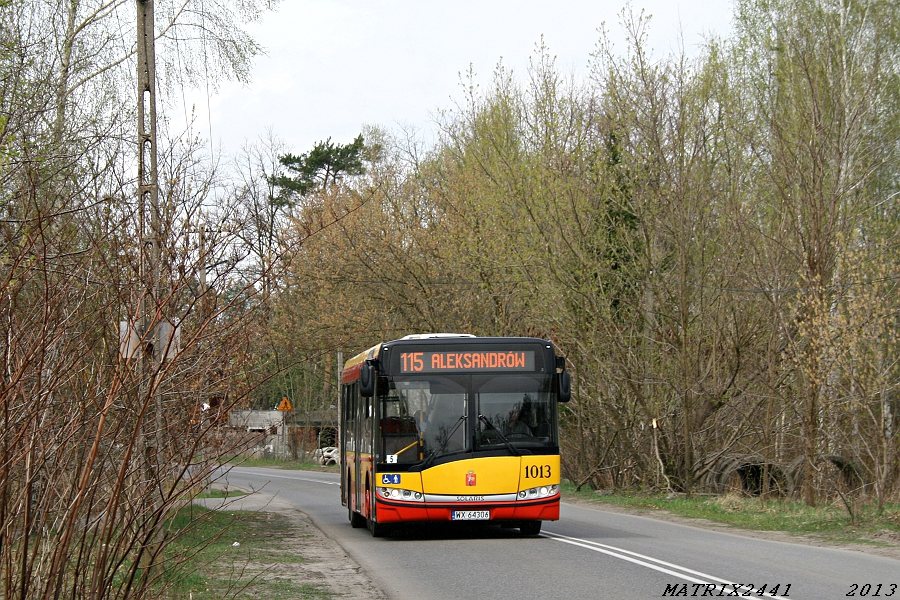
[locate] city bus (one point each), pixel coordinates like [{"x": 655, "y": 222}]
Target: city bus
[{"x": 452, "y": 427}]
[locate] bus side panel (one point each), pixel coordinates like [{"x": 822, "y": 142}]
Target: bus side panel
[
  {"x": 351, "y": 474},
  {"x": 367, "y": 485},
  {"x": 357, "y": 442},
  {"x": 344, "y": 455},
  {"x": 349, "y": 468}
]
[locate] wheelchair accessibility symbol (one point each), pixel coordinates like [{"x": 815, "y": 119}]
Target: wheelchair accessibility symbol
[{"x": 392, "y": 479}]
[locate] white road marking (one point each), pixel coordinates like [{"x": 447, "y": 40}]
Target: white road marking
[
  {"x": 305, "y": 479},
  {"x": 647, "y": 561},
  {"x": 643, "y": 560}
]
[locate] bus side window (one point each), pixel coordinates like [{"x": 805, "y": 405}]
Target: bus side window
[
  {"x": 350, "y": 416},
  {"x": 399, "y": 435},
  {"x": 367, "y": 411}
]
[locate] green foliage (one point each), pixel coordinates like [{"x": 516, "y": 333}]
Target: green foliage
[
  {"x": 296, "y": 465},
  {"x": 710, "y": 241},
  {"x": 323, "y": 166},
  {"x": 219, "y": 494}
]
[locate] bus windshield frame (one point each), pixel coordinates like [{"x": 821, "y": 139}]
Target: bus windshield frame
[{"x": 437, "y": 405}]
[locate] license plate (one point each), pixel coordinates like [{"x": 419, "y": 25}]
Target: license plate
[{"x": 471, "y": 515}]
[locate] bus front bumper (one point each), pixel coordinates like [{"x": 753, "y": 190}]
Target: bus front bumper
[{"x": 545, "y": 509}]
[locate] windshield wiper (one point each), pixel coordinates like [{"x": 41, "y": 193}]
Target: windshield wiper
[
  {"x": 428, "y": 460},
  {"x": 509, "y": 445},
  {"x": 434, "y": 453}
]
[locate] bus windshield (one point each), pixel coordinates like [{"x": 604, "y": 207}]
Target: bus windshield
[
  {"x": 428, "y": 417},
  {"x": 517, "y": 408}
]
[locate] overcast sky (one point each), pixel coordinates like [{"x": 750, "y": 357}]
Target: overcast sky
[{"x": 334, "y": 65}]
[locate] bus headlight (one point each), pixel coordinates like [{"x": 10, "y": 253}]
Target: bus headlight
[
  {"x": 399, "y": 494},
  {"x": 545, "y": 491}
]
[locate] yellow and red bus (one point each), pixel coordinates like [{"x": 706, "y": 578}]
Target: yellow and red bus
[{"x": 452, "y": 427}]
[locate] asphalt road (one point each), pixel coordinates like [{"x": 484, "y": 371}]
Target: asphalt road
[{"x": 588, "y": 553}]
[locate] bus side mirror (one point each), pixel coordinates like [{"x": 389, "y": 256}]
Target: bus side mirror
[
  {"x": 366, "y": 380},
  {"x": 565, "y": 387}
]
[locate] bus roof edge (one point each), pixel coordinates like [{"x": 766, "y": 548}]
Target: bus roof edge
[{"x": 429, "y": 336}]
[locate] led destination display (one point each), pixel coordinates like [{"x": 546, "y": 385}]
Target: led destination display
[{"x": 442, "y": 362}]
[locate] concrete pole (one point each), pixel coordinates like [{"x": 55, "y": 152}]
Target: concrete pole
[{"x": 148, "y": 201}]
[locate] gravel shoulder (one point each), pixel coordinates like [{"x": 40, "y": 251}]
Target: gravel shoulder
[{"x": 325, "y": 563}]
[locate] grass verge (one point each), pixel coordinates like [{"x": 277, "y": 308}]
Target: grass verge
[
  {"x": 294, "y": 464},
  {"x": 827, "y": 522},
  {"x": 219, "y": 493},
  {"x": 234, "y": 554}
]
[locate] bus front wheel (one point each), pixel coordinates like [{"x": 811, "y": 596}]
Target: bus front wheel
[
  {"x": 357, "y": 521},
  {"x": 531, "y": 528},
  {"x": 375, "y": 528}
]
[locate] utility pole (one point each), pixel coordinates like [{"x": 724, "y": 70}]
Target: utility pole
[
  {"x": 153, "y": 348},
  {"x": 148, "y": 202},
  {"x": 148, "y": 188}
]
